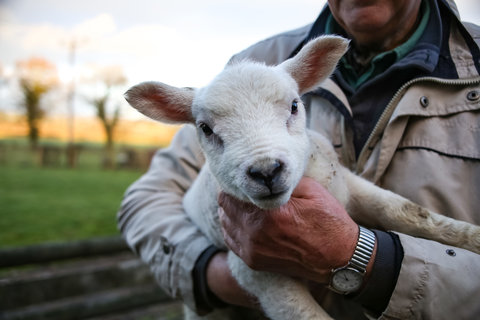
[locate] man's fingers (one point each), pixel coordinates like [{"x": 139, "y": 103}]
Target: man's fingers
[
  {"x": 228, "y": 203},
  {"x": 307, "y": 188},
  {"x": 222, "y": 199},
  {"x": 227, "y": 230},
  {"x": 234, "y": 206},
  {"x": 224, "y": 219}
]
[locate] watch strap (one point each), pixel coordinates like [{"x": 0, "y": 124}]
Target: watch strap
[{"x": 363, "y": 250}]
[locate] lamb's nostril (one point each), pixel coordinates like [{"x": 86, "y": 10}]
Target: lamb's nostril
[
  {"x": 277, "y": 167},
  {"x": 266, "y": 175}
]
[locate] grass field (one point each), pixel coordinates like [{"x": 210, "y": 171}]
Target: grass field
[{"x": 41, "y": 204}]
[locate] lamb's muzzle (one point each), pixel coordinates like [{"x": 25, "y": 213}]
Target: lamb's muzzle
[{"x": 268, "y": 175}]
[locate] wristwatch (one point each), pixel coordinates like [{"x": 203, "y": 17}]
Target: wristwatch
[{"x": 349, "y": 278}]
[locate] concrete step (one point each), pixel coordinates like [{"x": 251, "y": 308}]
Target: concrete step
[
  {"x": 76, "y": 278},
  {"x": 56, "y": 251},
  {"x": 93, "y": 305},
  {"x": 91, "y": 279},
  {"x": 160, "y": 311}
]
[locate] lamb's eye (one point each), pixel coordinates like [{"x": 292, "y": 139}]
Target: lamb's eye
[
  {"x": 206, "y": 129},
  {"x": 294, "y": 109}
]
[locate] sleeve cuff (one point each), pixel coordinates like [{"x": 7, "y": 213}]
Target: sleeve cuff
[
  {"x": 386, "y": 268},
  {"x": 205, "y": 299}
]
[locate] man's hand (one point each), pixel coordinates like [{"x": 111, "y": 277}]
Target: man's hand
[
  {"x": 224, "y": 286},
  {"x": 305, "y": 238}
]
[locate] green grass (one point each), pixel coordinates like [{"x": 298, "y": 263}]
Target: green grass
[{"x": 40, "y": 204}]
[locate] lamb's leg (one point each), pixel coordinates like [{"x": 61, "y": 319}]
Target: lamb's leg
[
  {"x": 281, "y": 297},
  {"x": 376, "y": 207}
]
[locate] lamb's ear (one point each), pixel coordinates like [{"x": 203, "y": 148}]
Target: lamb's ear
[
  {"x": 315, "y": 61},
  {"x": 162, "y": 102}
]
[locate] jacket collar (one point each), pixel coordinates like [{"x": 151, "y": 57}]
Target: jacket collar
[{"x": 431, "y": 55}]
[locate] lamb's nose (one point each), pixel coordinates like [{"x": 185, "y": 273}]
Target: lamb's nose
[{"x": 266, "y": 174}]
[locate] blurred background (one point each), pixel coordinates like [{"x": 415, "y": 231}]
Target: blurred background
[{"x": 70, "y": 145}]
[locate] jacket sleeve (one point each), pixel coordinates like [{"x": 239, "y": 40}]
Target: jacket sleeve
[
  {"x": 435, "y": 282},
  {"x": 153, "y": 222}
]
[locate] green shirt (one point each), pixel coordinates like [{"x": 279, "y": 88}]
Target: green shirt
[{"x": 382, "y": 61}]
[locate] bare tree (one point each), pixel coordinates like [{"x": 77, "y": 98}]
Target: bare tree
[
  {"x": 109, "y": 77},
  {"x": 109, "y": 122},
  {"x": 37, "y": 76}
]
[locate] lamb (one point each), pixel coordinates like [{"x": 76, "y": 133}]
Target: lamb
[{"x": 251, "y": 126}]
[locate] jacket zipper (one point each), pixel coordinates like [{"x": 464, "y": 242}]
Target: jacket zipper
[{"x": 387, "y": 113}]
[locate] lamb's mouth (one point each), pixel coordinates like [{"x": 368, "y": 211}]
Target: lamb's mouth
[{"x": 271, "y": 196}]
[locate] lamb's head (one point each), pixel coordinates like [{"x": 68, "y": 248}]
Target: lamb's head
[{"x": 250, "y": 119}]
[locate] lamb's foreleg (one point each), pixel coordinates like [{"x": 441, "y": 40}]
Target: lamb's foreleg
[
  {"x": 373, "y": 206},
  {"x": 281, "y": 297}
]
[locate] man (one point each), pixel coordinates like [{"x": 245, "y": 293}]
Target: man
[{"x": 402, "y": 110}]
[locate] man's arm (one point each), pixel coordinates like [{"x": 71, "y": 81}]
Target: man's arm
[
  {"x": 435, "y": 282},
  {"x": 153, "y": 221},
  {"x": 432, "y": 283}
]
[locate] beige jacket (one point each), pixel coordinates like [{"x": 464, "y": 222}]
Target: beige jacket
[{"x": 430, "y": 155}]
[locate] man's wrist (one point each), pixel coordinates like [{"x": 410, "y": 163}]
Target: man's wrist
[
  {"x": 351, "y": 277},
  {"x": 205, "y": 299},
  {"x": 383, "y": 274}
]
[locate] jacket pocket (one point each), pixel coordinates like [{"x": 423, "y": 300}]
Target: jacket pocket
[
  {"x": 437, "y": 164},
  {"x": 453, "y": 135}
]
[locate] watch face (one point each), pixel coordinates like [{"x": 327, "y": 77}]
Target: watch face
[{"x": 347, "y": 280}]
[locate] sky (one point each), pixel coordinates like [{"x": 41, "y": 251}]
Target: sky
[{"x": 179, "y": 42}]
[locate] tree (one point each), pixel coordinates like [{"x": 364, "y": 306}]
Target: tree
[
  {"x": 37, "y": 76},
  {"x": 108, "y": 77},
  {"x": 109, "y": 122}
]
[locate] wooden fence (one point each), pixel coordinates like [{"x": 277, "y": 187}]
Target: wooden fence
[
  {"x": 89, "y": 279},
  {"x": 83, "y": 156}
]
